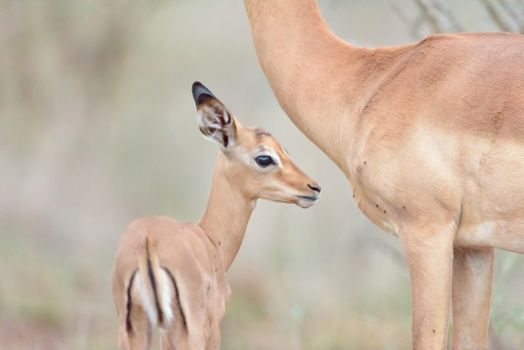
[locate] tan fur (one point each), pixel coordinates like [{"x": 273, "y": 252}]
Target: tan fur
[
  {"x": 198, "y": 255},
  {"x": 430, "y": 136}
]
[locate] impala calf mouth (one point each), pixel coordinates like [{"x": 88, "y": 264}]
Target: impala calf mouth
[{"x": 307, "y": 201}]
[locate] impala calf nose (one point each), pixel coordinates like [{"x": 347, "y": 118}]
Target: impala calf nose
[{"x": 314, "y": 187}]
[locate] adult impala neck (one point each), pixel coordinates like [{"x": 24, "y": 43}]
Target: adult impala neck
[
  {"x": 227, "y": 213},
  {"x": 307, "y": 66}
]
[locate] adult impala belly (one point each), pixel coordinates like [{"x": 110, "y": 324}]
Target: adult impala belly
[
  {"x": 507, "y": 235},
  {"x": 493, "y": 200},
  {"x": 493, "y": 217}
]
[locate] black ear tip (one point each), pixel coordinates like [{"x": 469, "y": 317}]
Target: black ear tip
[
  {"x": 196, "y": 85},
  {"x": 200, "y": 92}
]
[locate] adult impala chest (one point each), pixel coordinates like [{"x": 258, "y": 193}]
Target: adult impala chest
[
  {"x": 397, "y": 183},
  {"x": 373, "y": 190}
]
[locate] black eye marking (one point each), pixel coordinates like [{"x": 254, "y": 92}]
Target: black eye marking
[{"x": 264, "y": 161}]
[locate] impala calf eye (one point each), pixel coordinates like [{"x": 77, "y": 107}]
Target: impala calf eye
[{"x": 264, "y": 161}]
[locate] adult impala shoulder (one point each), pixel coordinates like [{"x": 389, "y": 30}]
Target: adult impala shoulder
[
  {"x": 431, "y": 138},
  {"x": 170, "y": 274}
]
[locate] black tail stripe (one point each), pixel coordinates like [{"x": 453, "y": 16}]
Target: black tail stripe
[
  {"x": 129, "y": 327},
  {"x": 154, "y": 285},
  {"x": 184, "y": 320}
]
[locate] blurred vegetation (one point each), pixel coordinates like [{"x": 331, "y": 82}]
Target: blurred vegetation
[{"x": 97, "y": 127}]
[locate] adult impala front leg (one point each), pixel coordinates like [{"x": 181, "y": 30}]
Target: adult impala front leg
[
  {"x": 472, "y": 280},
  {"x": 429, "y": 252}
]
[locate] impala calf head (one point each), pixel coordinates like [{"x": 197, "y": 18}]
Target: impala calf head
[{"x": 254, "y": 160}]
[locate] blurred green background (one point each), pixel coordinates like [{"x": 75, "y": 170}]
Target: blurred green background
[{"x": 97, "y": 127}]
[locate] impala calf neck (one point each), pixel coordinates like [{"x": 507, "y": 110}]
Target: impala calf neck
[{"x": 170, "y": 274}]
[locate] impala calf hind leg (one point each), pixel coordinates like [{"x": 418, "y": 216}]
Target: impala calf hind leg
[
  {"x": 134, "y": 331},
  {"x": 176, "y": 336},
  {"x": 139, "y": 336},
  {"x": 214, "y": 337}
]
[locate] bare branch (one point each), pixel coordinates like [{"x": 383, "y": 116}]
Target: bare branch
[
  {"x": 438, "y": 15},
  {"x": 430, "y": 15},
  {"x": 496, "y": 16},
  {"x": 507, "y": 16},
  {"x": 510, "y": 11},
  {"x": 521, "y": 24},
  {"x": 515, "y": 12},
  {"x": 443, "y": 9}
]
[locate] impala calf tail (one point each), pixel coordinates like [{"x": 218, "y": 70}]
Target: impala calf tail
[{"x": 153, "y": 284}]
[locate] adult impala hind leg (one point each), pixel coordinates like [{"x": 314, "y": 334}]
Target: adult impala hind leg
[
  {"x": 429, "y": 252},
  {"x": 472, "y": 281}
]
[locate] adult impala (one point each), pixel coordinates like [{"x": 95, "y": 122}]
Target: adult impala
[
  {"x": 431, "y": 138},
  {"x": 171, "y": 274}
]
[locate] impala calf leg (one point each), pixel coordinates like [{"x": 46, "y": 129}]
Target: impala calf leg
[
  {"x": 472, "y": 280},
  {"x": 177, "y": 337},
  {"x": 429, "y": 254},
  {"x": 213, "y": 342},
  {"x": 174, "y": 339},
  {"x": 139, "y": 336}
]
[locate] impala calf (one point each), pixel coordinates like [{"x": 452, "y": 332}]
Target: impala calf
[{"x": 170, "y": 274}]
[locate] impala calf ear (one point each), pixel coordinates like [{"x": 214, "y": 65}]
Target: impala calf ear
[{"x": 214, "y": 120}]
